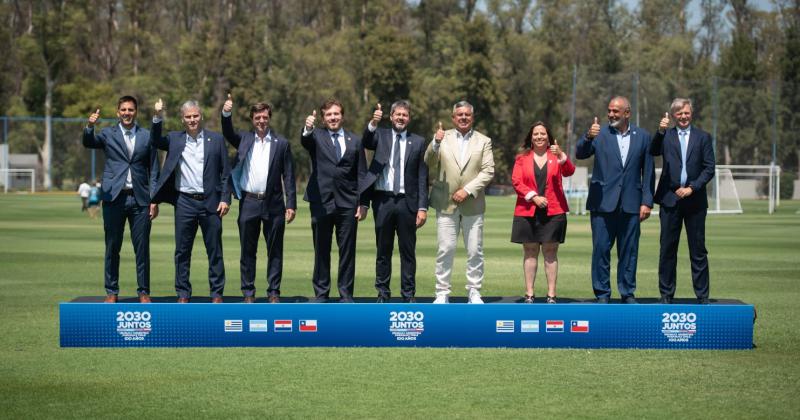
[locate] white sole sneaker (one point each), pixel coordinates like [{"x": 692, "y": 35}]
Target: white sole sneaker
[{"x": 441, "y": 300}]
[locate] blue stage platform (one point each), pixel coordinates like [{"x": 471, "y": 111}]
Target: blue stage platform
[{"x": 87, "y": 322}]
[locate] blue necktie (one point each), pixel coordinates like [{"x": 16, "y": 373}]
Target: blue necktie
[
  {"x": 337, "y": 146},
  {"x": 684, "y": 150}
]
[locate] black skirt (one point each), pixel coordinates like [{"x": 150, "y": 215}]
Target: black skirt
[{"x": 540, "y": 228}]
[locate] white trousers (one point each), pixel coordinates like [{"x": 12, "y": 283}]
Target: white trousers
[{"x": 447, "y": 229}]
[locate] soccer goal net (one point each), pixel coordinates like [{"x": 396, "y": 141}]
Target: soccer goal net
[{"x": 18, "y": 180}]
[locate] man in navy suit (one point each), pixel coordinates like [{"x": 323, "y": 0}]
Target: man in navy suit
[
  {"x": 262, "y": 175},
  {"x": 130, "y": 173},
  {"x": 620, "y": 196},
  {"x": 337, "y": 164},
  {"x": 195, "y": 180},
  {"x": 688, "y": 166},
  {"x": 397, "y": 185}
]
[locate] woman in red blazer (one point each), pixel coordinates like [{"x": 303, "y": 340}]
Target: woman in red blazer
[{"x": 540, "y": 219}]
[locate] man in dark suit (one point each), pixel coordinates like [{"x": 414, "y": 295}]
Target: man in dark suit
[
  {"x": 130, "y": 173},
  {"x": 262, "y": 175},
  {"x": 337, "y": 164},
  {"x": 620, "y": 196},
  {"x": 688, "y": 166},
  {"x": 195, "y": 180},
  {"x": 397, "y": 185}
]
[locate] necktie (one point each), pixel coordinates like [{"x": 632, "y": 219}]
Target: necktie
[
  {"x": 396, "y": 164},
  {"x": 129, "y": 142},
  {"x": 684, "y": 149},
  {"x": 337, "y": 146}
]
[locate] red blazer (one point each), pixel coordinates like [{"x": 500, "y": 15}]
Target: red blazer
[{"x": 524, "y": 182}]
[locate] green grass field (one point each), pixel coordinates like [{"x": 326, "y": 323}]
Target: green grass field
[{"x": 51, "y": 253}]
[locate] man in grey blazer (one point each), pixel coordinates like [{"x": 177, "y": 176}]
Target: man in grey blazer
[{"x": 461, "y": 163}]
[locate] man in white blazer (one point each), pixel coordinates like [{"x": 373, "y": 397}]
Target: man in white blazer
[{"x": 460, "y": 165}]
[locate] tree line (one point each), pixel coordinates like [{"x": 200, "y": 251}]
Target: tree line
[{"x": 516, "y": 61}]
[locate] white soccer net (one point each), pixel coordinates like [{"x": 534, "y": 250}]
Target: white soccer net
[
  {"x": 18, "y": 180},
  {"x": 722, "y": 194}
]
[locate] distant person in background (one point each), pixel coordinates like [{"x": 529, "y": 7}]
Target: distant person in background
[
  {"x": 620, "y": 196},
  {"x": 130, "y": 173},
  {"x": 83, "y": 193},
  {"x": 461, "y": 165},
  {"x": 93, "y": 201},
  {"x": 540, "y": 219},
  {"x": 263, "y": 174},
  {"x": 688, "y": 166}
]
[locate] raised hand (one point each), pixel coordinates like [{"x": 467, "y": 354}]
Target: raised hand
[
  {"x": 594, "y": 130},
  {"x": 377, "y": 116},
  {"x": 159, "y": 108},
  {"x": 439, "y": 133},
  {"x": 662, "y": 125},
  {"x": 311, "y": 119},
  {"x": 554, "y": 149},
  {"x": 227, "y": 107},
  {"x": 94, "y": 117}
]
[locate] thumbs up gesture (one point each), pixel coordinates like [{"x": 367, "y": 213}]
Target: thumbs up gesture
[
  {"x": 94, "y": 117},
  {"x": 311, "y": 119},
  {"x": 554, "y": 149},
  {"x": 662, "y": 125},
  {"x": 377, "y": 116},
  {"x": 158, "y": 108},
  {"x": 227, "y": 107},
  {"x": 439, "y": 133},
  {"x": 594, "y": 130}
]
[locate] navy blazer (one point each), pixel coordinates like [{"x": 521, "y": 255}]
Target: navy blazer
[
  {"x": 143, "y": 163},
  {"x": 280, "y": 179},
  {"x": 216, "y": 168},
  {"x": 699, "y": 167},
  {"x": 415, "y": 173},
  {"x": 333, "y": 182},
  {"x": 612, "y": 185}
]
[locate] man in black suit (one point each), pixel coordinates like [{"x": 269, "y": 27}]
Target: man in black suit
[
  {"x": 195, "y": 180},
  {"x": 262, "y": 175},
  {"x": 337, "y": 163},
  {"x": 397, "y": 185},
  {"x": 130, "y": 173},
  {"x": 688, "y": 166}
]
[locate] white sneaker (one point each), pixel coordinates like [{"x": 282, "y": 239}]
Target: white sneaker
[
  {"x": 475, "y": 296},
  {"x": 441, "y": 299}
]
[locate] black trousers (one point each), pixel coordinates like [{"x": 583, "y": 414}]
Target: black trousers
[
  {"x": 254, "y": 218},
  {"x": 392, "y": 217},
  {"x": 672, "y": 220},
  {"x": 189, "y": 214},
  {"x": 115, "y": 214},
  {"x": 344, "y": 222}
]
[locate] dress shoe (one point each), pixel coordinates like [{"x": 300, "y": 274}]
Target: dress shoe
[
  {"x": 249, "y": 299},
  {"x": 319, "y": 299},
  {"x": 475, "y": 296},
  {"x": 110, "y": 299},
  {"x": 703, "y": 301},
  {"x": 183, "y": 300},
  {"x": 382, "y": 299},
  {"x": 217, "y": 299},
  {"x": 345, "y": 299},
  {"x": 145, "y": 298},
  {"x": 412, "y": 299},
  {"x": 441, "y": 299},
  {"x": 628, "y": 299},
  {"x": 665, "y": 300},
  {"x": 274, "y": 299},
  {"x": 602, "y": 300}
]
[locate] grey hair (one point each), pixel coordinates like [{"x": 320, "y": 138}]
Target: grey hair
[
  {"x": 402, "y": 103},
  {"x": 189, "y": 105},
  {"x": 679, "y": 103},
  {"x": 462, "y": 104},
  {"x": 622, "y": 99}
]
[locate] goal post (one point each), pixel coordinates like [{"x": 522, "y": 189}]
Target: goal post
[{"x": 18, "y": 180}]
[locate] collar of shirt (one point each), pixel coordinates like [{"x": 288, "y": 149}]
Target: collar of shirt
[
  {"x": 686, "y": 130},
  {"x": 340, "y": 133},
  {"x": 267, "y": 136},
  {"x": 132, "y": 129},
  {"x": 193, "y": 140},
  {"x": 402, "y": 134},
  {"x": 464, "y": 137},
  {"x": 620, "y": 133}
]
